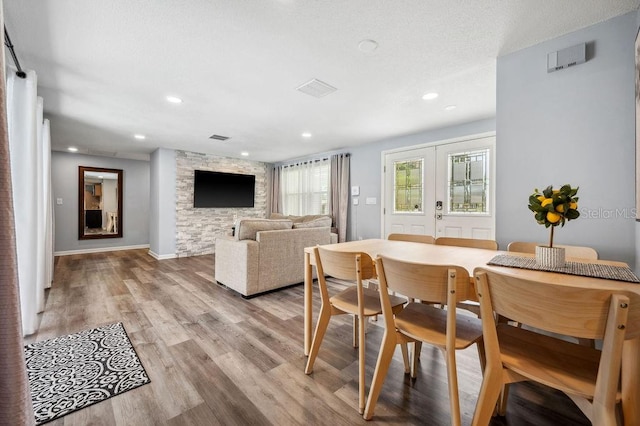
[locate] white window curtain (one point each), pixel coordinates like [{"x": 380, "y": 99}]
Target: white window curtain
[
  {"x": 29, "y": 149},
  {"x": 305, "y": 188},
  {"x": 15, "y": 404}
]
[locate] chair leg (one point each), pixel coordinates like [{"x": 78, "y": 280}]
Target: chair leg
[
  {"x": 417, "y": 347},
  {"x": 361, "y": 365},
  {"x": 387, "y": 348},
  {"x": 481, "y": 355},
  {"x": 405, "y": 357},
  {"x": 321, "y": 329},
  {"x": 454, "y": 400},
  {"x": 488, "y": 397},
  {"x": 502, "y": 401},
  {"x": 355, "y": 330}
]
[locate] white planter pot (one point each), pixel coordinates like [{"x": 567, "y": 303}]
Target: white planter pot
[{"x": 550, "y": 257}]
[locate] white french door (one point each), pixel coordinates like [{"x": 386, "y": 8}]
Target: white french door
[
  {"x": 409, "y": 184},
  {"x": 444, "y": 190}
]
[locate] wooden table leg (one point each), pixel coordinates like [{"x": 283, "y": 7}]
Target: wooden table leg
[
  {"x": 308, "y": 297},
  {"x": 631, "y": 382}
]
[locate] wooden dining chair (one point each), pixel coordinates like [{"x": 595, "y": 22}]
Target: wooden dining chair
[
  {"x": 418, "y": 322},
  {"x": 467, "y": 242},
  {"x": 415, "y": 238},
  {"x": 355, "y": 300},
  {"x": 570, "y": 251},
  {"x": 588, "y": 376}
]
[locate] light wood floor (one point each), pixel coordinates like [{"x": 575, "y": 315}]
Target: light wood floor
[{"x": 216, "y": 358}]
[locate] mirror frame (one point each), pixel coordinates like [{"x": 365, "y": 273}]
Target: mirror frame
[{"x": 81, "y": 214}]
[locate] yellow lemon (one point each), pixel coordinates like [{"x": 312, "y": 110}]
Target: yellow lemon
[
  {"x": 573, "y": 205},
  {"x": 546, "y": 202},
  {"x": 553, "y": 217},
  {"x": 560, "y": 208},
  {"x": 541, "y": 198}
]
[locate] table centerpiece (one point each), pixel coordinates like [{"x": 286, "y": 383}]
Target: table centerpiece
[{"x": 553, "y": 207}]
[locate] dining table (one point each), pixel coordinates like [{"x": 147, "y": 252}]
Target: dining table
[{"x": 470, "y": 258}]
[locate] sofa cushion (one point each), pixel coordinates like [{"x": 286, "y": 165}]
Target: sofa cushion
[
  {"x": 301, "y": 219},
  {"x": 320, "y": 222},
  {"x": 246, "y": 229}
]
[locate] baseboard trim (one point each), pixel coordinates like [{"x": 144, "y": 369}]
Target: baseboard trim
[
  {"x": 99, "y": 250},
  {"x": 162, "y": 256}
]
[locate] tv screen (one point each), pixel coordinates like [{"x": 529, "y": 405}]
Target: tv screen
[{"x": 217, "y": 189}]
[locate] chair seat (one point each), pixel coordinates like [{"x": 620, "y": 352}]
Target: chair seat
[
  {"x": 347, "y": 301},
  {"x": 562, "y": 365},
  {"x": 429, "y": 324}
]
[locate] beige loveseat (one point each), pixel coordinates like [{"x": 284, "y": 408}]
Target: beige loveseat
[{"x": 266, "y": 254}]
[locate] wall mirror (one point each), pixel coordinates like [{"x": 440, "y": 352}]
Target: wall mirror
[{"x": 100, "y": 203}]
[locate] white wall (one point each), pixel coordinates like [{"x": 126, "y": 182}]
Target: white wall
[
  {"x": 64, "y": 178},
  {"x": 571, "y": 126},
  {"x": 162, "y": 219}
]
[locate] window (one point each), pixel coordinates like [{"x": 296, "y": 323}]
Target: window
[
  {"x": 305, "y": 188},
  {"x": 407, "y": 190},
  {"x": 469, "y": 182}
]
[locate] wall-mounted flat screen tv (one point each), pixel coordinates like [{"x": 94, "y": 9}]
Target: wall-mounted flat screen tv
[{"x": 217, "y": 189}]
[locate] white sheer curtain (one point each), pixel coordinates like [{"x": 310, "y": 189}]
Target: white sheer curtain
[
  {"x": 29, "y": 149},
  {"x": 305, "y": 187}
]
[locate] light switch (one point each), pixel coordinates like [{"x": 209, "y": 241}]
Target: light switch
[
  {"x": 371, "y": 200},
  {"x": 355, "y": 190},
  {"x": 59, "y": 201},
  {"x": 355, "y": 201}
]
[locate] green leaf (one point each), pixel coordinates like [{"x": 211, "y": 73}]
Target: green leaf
[
  {"x": 548, "y": 191},
  {"x": 572, "y": 214}
]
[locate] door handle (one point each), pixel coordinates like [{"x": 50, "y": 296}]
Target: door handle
[{"x": 439, "y": 216}]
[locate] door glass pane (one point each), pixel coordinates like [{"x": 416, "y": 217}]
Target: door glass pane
[
  {"x": 408, "y": 184},
  {"x": 468, "y": 183}
]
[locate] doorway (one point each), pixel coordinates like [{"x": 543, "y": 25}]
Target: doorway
[{"x": 444, "y": 189}]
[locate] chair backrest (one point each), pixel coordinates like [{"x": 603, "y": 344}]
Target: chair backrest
[
  {"x": 414, "y": 238},
  {"x": 579, "y": 311},
  {"x": 467, "y": 242},
  {"x": 429, "y": 283},
  {"x": 342, "y": 265},
  {"x": 570, "y": 251}
]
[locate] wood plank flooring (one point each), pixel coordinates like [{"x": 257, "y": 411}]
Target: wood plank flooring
[{"x": 215, "y": 358}]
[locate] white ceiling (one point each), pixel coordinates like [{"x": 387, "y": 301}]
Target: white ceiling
[{"x": 105, "y": 67}]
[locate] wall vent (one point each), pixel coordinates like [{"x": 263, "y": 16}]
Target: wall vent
[
  {"x": 101, "y": 153},
  {"x": 316, "y": 88},
  {"x": 219, "y": 137}
]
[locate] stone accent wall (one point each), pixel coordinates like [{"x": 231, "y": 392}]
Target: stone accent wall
[{"x": 197, "y": 228}]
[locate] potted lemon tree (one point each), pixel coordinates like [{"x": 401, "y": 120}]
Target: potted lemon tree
[{"x": 553, "y": 207}]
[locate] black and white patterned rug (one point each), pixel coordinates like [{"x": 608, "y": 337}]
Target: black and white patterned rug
[{"x": 71, "y": 372}]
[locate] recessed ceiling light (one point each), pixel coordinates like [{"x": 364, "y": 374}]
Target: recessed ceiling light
[
  {"x": 244, "y": 154},
  {"x": 72, "y": 149},
  {"x": 174, "y": 100},
  {"x": 139, "y": 137},
  {"x": 430, "y": 96},
  {"x": 306, "y": 135},
  {"x": 367, "y": 46},
  {"x": 450, "y": 107}
]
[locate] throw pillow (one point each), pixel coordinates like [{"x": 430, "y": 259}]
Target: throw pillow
[{"x": 246, "y": 229}]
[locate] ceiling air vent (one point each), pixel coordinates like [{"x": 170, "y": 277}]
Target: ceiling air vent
[
  {"x": 219, "y": 138},
  {"x": 316, "y": 88}
]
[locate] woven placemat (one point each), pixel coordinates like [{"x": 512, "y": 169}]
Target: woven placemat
[{"x": 594, "y": 270}]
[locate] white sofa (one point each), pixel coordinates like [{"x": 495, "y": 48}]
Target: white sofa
[{"x": 268, "y": 254}]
